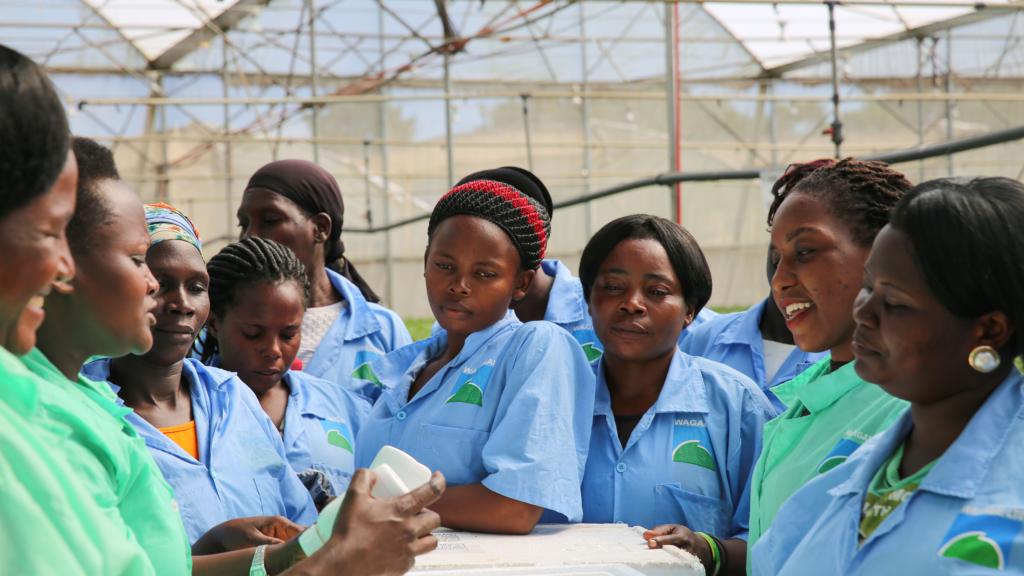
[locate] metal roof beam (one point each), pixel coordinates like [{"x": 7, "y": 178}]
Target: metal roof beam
[
  {"x": 225, "y": 21},
  {"x": 985, "y": 13}
]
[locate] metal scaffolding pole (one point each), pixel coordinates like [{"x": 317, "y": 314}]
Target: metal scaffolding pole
[
  {"x": 837, "y": 125},
  {"x": 526, "y": 128},
  {"x": 165, "y": 185},
  {"x": 672, "y": 101},
  {"x": 920, "y": 104},
  {"x": 773, "y": 124},
  {"x": 228, "y": 145},
  {"x": 314, "y": 84},
  {"x": 366, "y": 179},
  {"x": 585, "y": 102},
  {"x": 448, "y": 117},
  {"x": 388, "y": 260},
  {"x": 949, "y": 90}
]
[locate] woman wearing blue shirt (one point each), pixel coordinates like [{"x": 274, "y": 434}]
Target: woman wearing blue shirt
[
  {"x": 756, "y": 342},
  {"x": 502, "y": 408},
  {"x": 940, "y": 491},
  {"x": 205, "y": 429},
  {"x": 258, "y": 291},
  {"x": 674, "y": 437},
  {"x": 298, "y": 204}
]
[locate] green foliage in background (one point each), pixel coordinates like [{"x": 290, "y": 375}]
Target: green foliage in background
[{"x": 419, "y": 328}]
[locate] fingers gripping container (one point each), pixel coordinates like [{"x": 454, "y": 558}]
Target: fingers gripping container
[{"x": 397, "y": 474}]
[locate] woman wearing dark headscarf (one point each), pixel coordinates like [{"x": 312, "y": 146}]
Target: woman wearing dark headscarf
[{"x": 298, "y": 204}]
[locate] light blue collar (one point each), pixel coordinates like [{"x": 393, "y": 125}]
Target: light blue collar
[
  {"x": 747, "y": 330},
  {"x": 397, "y": 370},
  {"x": 683, "y": 391},
  {"x": 362, "y": 321},
  {"x": 565, "y": 303},
  {"x": 300, "y": 396},
  {"x": 961, "y": 470}
]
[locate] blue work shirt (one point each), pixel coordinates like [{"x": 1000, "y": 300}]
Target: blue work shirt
[
  {"x": 567, "y": 308},
  {"x": 688, "y": 461},
  {"x": 320, "y": 427},
  {"x": 735, "y": 340},
  {"x": 242, "y": 469},
  {"x": 966, "y": 516},
  {"x": 362, "y": 333},
  {"x": 512, "y": 410}
]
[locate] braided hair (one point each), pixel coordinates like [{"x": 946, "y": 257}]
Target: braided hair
[
  {"x": 239, "y": 266},
  {"x": 526, "y": 222},
  {"x": 861, "y": 193}
]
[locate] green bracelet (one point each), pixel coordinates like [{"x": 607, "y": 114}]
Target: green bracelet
[{"x": 715, "y": 556}]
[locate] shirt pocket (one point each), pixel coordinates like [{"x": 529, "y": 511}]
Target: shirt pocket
[
  {"x": 697, "y": 512},
  {"x": 456, "y": 452},
  {"x": 269, "y": 490}
]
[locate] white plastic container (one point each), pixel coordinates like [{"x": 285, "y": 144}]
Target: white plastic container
[{"x": 397, "y": 474}]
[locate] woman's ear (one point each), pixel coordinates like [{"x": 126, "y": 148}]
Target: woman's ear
[
  {"x": 524, "y": 279},
  {"x": 212, "y": 325},
  {"x": 321, "y": 227},
  {"x": 994, "y": 330},
  {"x": 689, "y": 315}
]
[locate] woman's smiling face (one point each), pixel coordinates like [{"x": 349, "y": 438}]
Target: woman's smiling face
[{"x": 820, "y": 271}]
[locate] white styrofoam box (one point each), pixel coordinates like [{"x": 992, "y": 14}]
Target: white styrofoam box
[
  {"x": 558, "y": 545},
  {"x": 563, "y": 570}
]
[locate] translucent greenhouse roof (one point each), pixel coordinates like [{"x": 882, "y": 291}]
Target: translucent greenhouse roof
[{"x": 512, "y": 40}]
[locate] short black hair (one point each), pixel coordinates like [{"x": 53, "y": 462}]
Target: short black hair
[
  {"x": 34, "y": 135},
  {"x": 966, "y": 236},
  {"x": 239, "y": 266},
  {"x": 862, "y": 194},
  {"x": 526, "y": 222},
  {"x": 683, "y": 252},
  {"x": 95, "y": 163}
]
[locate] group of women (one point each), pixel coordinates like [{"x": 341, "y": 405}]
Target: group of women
[{"x": 234, "y": 397}]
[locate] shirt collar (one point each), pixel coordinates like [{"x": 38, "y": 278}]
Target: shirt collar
[
  {"x": 817, "y": 388},
  {"x": 362, "y": 321},
  {"x": 962, "y": 469},
  {"x": 683, "y": 391},
  {"x": 21, "y": 396},
  {"x": 565, "y": 303},
  {"x": 747, "y": 330},
  {"x": 964, "y": 466},
  {"x": 300, "y": 395}
]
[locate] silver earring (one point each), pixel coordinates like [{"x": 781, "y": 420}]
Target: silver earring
[{"x": 984, "y": 359}]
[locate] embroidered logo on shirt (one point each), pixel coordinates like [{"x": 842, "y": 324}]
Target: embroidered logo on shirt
[
  {"x": 338, "y": 434},
  {"x": 470, "y": 387},
  {"x": 983, "y": 536},
  {"x": 838, "y": 455},
  {"x": 588, "y": 341},
  {"x": 363, "y": 371},
  {"x": 692, "y": 443}
]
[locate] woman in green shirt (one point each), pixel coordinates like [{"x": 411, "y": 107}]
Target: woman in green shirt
[{"x": 822, "y": 229}]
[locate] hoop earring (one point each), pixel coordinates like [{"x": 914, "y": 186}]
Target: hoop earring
[{"x": 984, "y": 359}]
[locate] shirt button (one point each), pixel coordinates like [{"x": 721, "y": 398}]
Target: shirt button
[
  {"x": 400, "y": 415},
  {"x": 619, "y": 522},
  {"x": 620, "y": 467},
  {"x": 213, "y": 473}
]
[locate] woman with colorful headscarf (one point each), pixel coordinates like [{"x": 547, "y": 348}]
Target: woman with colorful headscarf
[
  {"x": 298, "y": 204},
  {"x": 201, "y": 424}
]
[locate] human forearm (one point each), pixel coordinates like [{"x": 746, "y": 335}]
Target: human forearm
[
  {"x": 278, "y": 559},
  {"x": 475, "y": 508}
]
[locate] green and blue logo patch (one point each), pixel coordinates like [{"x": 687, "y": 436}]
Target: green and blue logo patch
[
  {"x": 691, "y": 444},
  {"x": 362, "y": 371},
  {"x": 588, "y": 341},
  {"x": 982, "y": 539},
  {"x": 338, "y": 434},
  {"x": 838, "y": 455},
  {"x": 470, "y": 387}
]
